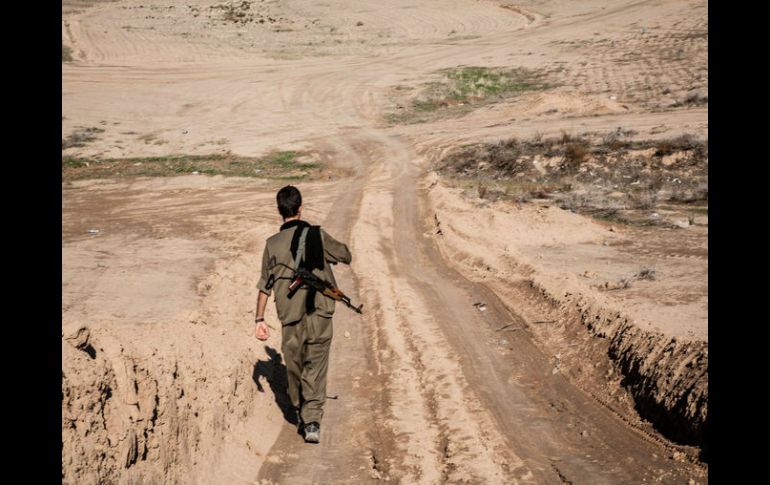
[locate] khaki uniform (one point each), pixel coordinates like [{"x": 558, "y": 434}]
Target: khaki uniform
[{"x": 305, "y": 339}]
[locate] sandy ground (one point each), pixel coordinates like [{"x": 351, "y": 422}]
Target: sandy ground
[
  {"x": 585, "y": 255},
  {"x": 162, "y": 380}
]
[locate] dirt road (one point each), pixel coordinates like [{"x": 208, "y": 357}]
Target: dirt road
[{"x": 428, "y": 390}]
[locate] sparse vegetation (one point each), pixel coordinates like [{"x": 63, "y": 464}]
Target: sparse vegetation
[
  {"x": 644, "y": 200},
  {"x": 236, "y": 12},
  {"x": 693, "y": 98},
  {"x": 482, "y": 191},
  {"x": 153, "y": 139},
  {"x": 645, "y": 274},
  {"x": 241, "y": 13},
  {"x": 608, "y": 177},
  {"x": 279, "y": 165},
  {"x": 66, "y": 54},
  {"x": 80, "y": 137},
  {"x": 575, "y": 153},
  {"x": 683, "y": 143},
  {"x": 482, "y": 82},
  {"x": 464, "y": 88}
]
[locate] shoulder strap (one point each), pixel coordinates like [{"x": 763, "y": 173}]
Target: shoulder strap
[{"x": 300, "y": 248}]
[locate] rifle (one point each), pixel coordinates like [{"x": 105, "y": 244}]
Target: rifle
[{"x": 303, "y": 276}]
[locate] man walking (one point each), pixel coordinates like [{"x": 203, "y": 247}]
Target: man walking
[{"x": 305, "y": 314}]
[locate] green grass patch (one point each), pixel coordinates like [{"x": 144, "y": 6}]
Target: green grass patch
[
  {"x": 281, "y": 165},
  {"x": 462, "y": 89},
  {"x": 483, "y": 83}
]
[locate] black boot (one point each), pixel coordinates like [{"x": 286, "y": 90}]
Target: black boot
[{"x": 312, "y": 432}]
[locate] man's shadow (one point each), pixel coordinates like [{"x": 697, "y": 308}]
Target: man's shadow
[{"x": 275, "y": 372}]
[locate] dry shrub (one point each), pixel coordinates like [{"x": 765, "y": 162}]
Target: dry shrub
[
  {"x": 643, "y": 200},
  {"x": 482, "y": 189},
  {"x": 682, "y": 143},
  {"x": 575, "y": 154},
  {"x": 645, "y": 274},
  {"x": 504, "y": 156}
]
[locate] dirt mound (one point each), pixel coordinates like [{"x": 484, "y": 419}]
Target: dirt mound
[
  {"x": 147, "y": 415},
  {"x": 667, "y": 377}
]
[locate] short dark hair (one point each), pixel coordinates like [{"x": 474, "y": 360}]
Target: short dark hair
[{"x": 289, "y": 199}]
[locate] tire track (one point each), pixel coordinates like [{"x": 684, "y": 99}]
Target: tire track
[{"x": 450, "y": 439}]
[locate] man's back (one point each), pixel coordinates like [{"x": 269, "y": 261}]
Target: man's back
[{"x": 278, "y": 260}]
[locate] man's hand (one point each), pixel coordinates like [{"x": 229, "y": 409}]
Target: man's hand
[{"x": 262, "y": 331}]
